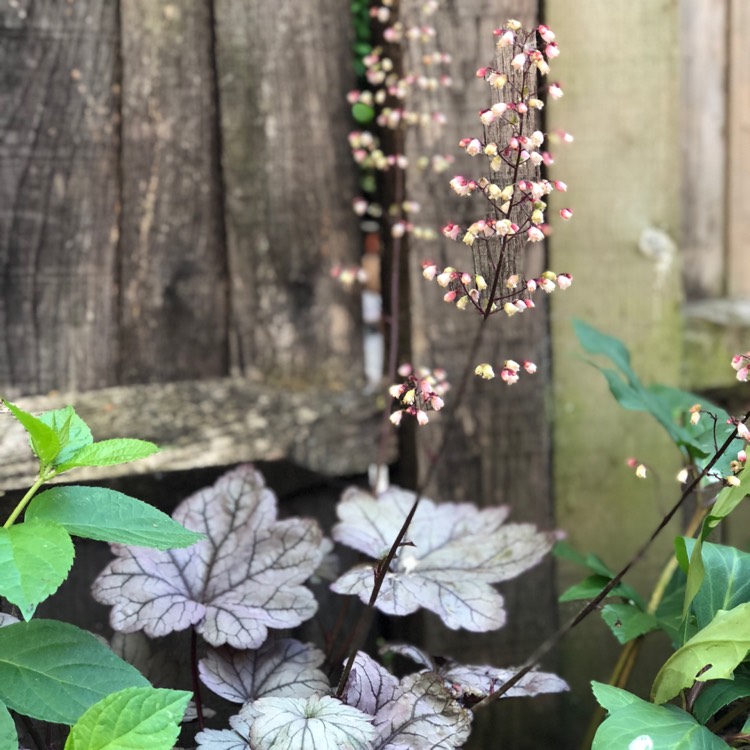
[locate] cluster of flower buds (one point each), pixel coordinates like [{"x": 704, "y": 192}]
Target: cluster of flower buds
[
  {"x": 741, "y": 364},
  {"x": 509, "y": 373},
  {"x": 421, "y": 391}
]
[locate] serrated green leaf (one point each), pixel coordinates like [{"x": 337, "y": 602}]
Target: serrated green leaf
[
  {"x": 726, "y": 583},
  {"x": 110, "y": 516},
  {"x": 8, "y": 734},
  {"x": 35, "y": 558},
  {"x": 136, "y": 717},
  {"x": 72, "y": 432},
  {"x": 720, "y": 693},
  {"x": 712, "y": 653},
  {"x": 54, "y": 671},
  {"x": 44, "y": 441},
  {"x": 634, "y": 724},
  {"x": 110, "y": 453},
  {"x": 627, "y": 621},
  {"x": 591, "y": 586}
]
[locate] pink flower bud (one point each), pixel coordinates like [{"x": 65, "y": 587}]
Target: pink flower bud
[
  {"x": 481, "y": 72},
  {"x": 566, "y": 213},
  {"x": 530, "y": 367},
  {"x": 546, "y": 33},
  {"x": 552, "y": 51},
  {"x": 422, "y": 417},
  {"x": 555, "y": 91},
  {"x": 560, "y": 185},
  {"x": 396, "y": 417},
  {"x": 518, "y": 61},
  {"x": 534, "y": 234},
  {"x": 452, "y": 231},
  {"x": 564, "y": 280}
]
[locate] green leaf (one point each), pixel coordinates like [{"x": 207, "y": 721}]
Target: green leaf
[
  {"x": 110, "y": 453},
  {"x": 720, "y": 693},
  {"x": 627, "y": 621},
  {"x": 634, "y": 724},
  {"x": 110, "y": 516},
  {"x": 44, "y": 441},
  {"x": 8, "y": 734},
  {"x": 54, "y": 671},
  {"x": 726, "y": 583},
  {"x": 669, "y": 611},
  {"x": 35, "y": 558},
  {"x": 692, "y": 564},
  {"x": 591, "y": 586},
  {"x": 72, "y": 432},
  {"x": 712, "y": 653},
  {"x": 136, "y": 717}
]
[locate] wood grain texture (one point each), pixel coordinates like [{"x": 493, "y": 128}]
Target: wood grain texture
[
  {"x": 619, "y": 70},
  {"x": 738, "y": 163},
  {"x": 499, "y": 447},
  {"x": 211, "y": 422},
  {"x": 172, "y": 265},
  {"x": 289, "y": 182},
  {"x": 58, "y": 194},
  {"x": 703, "y": 122}
]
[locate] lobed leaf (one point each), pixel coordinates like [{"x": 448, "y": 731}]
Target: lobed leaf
[
  {"x": 454, "y": 553},
  {"x": 245, "y": 577},
  {"x": 109, "y": 453},
  {"x": 712, "y": 653},
  {"x": 634, "y": 724},
  {"x": 110, "y": 516},
  {"x": 35, "y": 558},
  {"x": 236, "y": 738},
  {"x": 314, "y": 723},
  {"x": 370, "y": 686},
  {"x": 43, "y": 439},
  {"x": 283, "y": 668},
  {"x": 136, "y": 717},
  {"x": 54, "y": 671}
]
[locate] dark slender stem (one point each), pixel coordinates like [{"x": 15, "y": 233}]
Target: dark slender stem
[
  {"x": 195, "y": 678},
  {"x": 556, "y": 637}
]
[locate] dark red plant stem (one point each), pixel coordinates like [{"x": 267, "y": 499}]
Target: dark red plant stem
[
  {"x": 195, "y": 678},
  {"x": 555, "y": 638}
]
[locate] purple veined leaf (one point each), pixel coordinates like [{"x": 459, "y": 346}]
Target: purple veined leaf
[
  {"x": 314, "y": 723},
  {"x": 370, "y": 686},
  {"x": 236, "y": 738},
  {"x": 469, "y": 683},
  {"x": 282, "y": 668},
  {"x": 422, "y": 715},
  {"x": 243, "y": 579},
  {"x": 456, "y": 553},
  {"x": 328, "y": 570}
]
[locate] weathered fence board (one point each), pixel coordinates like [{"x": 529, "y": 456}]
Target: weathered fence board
[
  {"x": 172, "y": 263},
  {"x": 289, "y": 185},
  {"x": 58, "y": 195}
]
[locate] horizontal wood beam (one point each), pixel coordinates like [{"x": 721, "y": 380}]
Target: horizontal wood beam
[{"x": 212, "y": 422}]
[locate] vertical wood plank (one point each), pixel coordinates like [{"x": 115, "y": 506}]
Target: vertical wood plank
[
  {"x": 738, "y": 163},
  {"x": 58, "y": 195},
  {"x": 703, "y": 104},
  {"x": 619, "y": 71},
  {"x": 284, "y": 70},
  {"x": 173, "y": 260},
  {"x": 499, "y": 449}
]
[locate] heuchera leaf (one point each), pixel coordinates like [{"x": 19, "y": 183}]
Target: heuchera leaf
[
  {"x": 109, "y": 516},
  {"x": 422, "y": 715},
  {"x": 133, "y": 717},
  {"x": 8, "y": 734},
  {"x": 635, "y": 724},
  {"x": 712, "y": 653},
  {"x": 54, "y": 671},
  {"x": 72, "y": 432},
  {"x": 44, "y": 441},
  {"x": 370, "y": 686},
  {"x": 35, "y": 558},
  {"x": 236, "y": 738},
  {"x": 282, "y": 668},
  {"x": 244, "y": 578},
  {"x": 455, "y": 553},
  {"x": 109, "y": 453},
  {"x": 470, "y": 683},
  {"x": 314, "y": 723}
]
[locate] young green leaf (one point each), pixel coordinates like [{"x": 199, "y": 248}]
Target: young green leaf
[
  {"x": 35, "y": 558},
  {"x": 109, "y": 453},
  {"x": 135, "y": 717},
  {"x": 44, "y": 441},
  {"x": 634, "y": 724},
  {"x": 627, "y": 621},
  {"x": 72, "y": 432},
  {"x": 712, "y": 653},
  {"x": 8, "y": 734},
  {"x": 720, "y": 693},
  {"x": 54, "y": 671},
  {"x": 110, "y": 516},
  {"x": 590, "y": 587}
]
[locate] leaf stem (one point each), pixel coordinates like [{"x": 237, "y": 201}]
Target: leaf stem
[
  {"x": 195, "y": 679},
  {"x": 26, "y": 499}
]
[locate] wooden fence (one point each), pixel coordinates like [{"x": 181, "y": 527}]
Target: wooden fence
[{"x": 176, "y": 183}]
